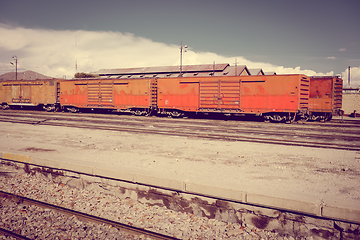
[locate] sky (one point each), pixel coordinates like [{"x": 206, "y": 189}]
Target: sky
[{"x": 58, "y": 38}]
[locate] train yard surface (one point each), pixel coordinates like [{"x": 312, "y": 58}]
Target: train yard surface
[
  {"x": 307, "y": 167},
  {"x": 338, "y": 134}
]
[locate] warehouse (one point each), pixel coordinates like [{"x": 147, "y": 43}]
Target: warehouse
[{"x": 205, "y": 70}]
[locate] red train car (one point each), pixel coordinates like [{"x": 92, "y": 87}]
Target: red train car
[
  {"x": 325, "y": 97},
  {"x": 134, "y": 95},
  {"x": 276, "y": 97}
]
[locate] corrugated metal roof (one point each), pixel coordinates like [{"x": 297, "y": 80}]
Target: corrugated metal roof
[
  {"x": 204, "y": 70},
  {"x": 164, "y": 69},
  {"x": 269, "y": 73},
  {"x": 241, "y": 70},
  {"x": 256, "y": 71}
]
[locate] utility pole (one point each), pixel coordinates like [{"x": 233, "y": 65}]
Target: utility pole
[
  {"x": 76, "y": 65},
  {"x": 236, "y": 66},
  {"x": 16, "y": 62},
  {"x": 349, "y": 77}
]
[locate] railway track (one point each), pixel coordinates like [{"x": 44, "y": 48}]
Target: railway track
[
  {"x": 82, "y": 216},
  {"x": 343, "y": 135},
  {"x": 243, "y": 230},
  {"x": 312, "y": 134}
]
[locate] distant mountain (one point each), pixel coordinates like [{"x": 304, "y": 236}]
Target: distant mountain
[{"x": 27, "y": 75}]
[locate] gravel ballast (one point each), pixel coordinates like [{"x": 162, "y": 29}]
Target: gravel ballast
[{"x": 38, "y": 223}]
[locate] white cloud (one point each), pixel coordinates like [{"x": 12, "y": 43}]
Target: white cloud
[
  {"x": 333, "y": 58},
  {"x": 354, "y": 77},
  {"x": 342, "y": 50},
  {"x": 54, "y": 53}
]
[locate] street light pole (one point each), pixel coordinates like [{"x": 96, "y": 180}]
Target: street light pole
[{"x": 181, "y": 53}]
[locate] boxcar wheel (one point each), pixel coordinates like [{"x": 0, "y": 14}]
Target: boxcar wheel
[
  {"x": 176, "y": 114},
  {"x": 49, "y": 108},
  {"x": 5, "y": 106},
  {"x": 328, "y": 117},
  {"x": 73, "y": 110}
]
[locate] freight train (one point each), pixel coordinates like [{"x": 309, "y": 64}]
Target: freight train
[{"x": 277, "y": 98}]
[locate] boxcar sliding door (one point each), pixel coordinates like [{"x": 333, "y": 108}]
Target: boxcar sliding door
[
  {"x": 100, "y": 93},
  {"x": 220, "y": 94}
]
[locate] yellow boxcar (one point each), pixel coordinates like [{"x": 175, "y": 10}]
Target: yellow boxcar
[{"x": 29, "y": 93}]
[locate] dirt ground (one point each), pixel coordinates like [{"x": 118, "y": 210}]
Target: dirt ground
[{"x": 294, "y": 172}]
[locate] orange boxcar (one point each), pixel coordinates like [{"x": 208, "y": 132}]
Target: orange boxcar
[
  {"x": 325, "y": 97},
  {"x": 276, "y": 97},
  {"x": 134, "y": 95},
  {"x": 29, "y": 93}
]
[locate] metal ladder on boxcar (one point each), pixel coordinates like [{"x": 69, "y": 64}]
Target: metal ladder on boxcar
[
  {"x": 153, "y": 95},
  {"x": 57, "y": 92},
  {"x": 338, "y": 88}
]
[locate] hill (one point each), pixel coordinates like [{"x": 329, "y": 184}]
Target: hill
[{"x": 27, "y": 75}]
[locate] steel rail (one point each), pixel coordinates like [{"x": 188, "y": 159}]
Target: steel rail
[
  {"x": 332, "y": 123},
  {"x": 13, "y": 234},
  {"x": 88, "y": 217},
  {"x": 213, "y": 127},
  {"x": 240, "y": 126}
]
